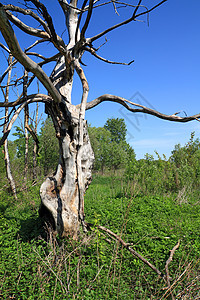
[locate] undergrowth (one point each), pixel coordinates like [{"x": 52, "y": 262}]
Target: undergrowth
[{"x": 36, "y": 264}]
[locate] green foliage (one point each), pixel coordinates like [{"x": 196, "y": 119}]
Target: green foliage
[
  {"x": 48, "y": 154},
  {"x": 117, "y": 128},
  {"x": 187, "y": 162},
  {"x": 34, "y": 264},
  {"x": 49, "y": 148},
  {"x": 152, "y": 176},
  {"x": 182, "y": 170},
  {"x": 100, "y": 140},
  {"x": 109, "y": 145},
  {"x": 2, "y": 165},
  {"x": 17, "y": 151},
  {"x": 19, "y": 142}
]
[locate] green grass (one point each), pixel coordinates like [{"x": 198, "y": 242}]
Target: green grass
[{"x": 36, "y": 265}]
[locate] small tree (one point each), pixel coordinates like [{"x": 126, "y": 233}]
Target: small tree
[{"x": 62, "y": 195}]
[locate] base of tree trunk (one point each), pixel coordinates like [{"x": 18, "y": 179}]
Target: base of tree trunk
[{"x": 62, "y": 195}]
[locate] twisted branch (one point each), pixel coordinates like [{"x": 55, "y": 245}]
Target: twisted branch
[
  {"x": 93, "y": 52},
  {"x": 141, "y": 109}
]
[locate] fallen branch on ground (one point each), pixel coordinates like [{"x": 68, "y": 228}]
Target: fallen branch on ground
[{"x": 127, "y": 246}]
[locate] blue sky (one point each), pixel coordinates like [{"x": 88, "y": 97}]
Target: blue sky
[{"x": 165, "y": 74}]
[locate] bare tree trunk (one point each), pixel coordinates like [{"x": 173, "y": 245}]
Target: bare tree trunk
[
  {"x": 26, "y": 144},
  {"x": 60, "y": 194},
  {"x": 35, "y": 146},
  {"x": 26, "y": 119},
  {"x": 6, "y": 153}
]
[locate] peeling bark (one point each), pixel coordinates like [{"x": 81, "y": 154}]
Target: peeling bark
[{"x": 60, "y": 194}]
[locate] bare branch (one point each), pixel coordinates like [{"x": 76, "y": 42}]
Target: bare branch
[
  {"x": 46, "y": 60},
  {"x": 93, "y": 52},
  {"x": 79, "y": 20},
  {"x": 134, "y": 16},
  {"x": 149, "y": 10},
  {"x": 49, "y": 31},
  {"x": 136, "y": 9},
  {"x": 4, "y": 47},
  {"x": 7, "y": 70},
  {"x": 37, "y": 55},
  {"x": 89, "y": 14},
  {"x": 168, "y": 291},
  {"x": 52, "y": 58},
  {"x": 36, "y": 43},
  {"x": 27, "y": 29},
  {"x": 127, "y": 246},
  {"x": 66, "y": 6},
  {"x": 21, "y": 99},
  {"x": 85, "y": 86},
  {"x": 11, "y": 40},
  {"x": 6, "y": 152},
  {"x": 29, "y": 13},
  {"x": 31, "y": 99},
  {"x": 34, "y": 136},
  {"x": 81, "y": 184},
  {"x": 115, "y": 8},
  {"x": 43, "y": 10},
  {"x": 141, "y": 109},
  {"x": 168, "y": 262}
]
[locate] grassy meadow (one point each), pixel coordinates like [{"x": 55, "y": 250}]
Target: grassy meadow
[{"x": 35, "y": 264}]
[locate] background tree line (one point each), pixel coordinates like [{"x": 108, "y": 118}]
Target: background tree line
[{"x": 112, "y": 152}]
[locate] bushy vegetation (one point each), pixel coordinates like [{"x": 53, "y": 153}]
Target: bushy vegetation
[
  {"x": 179, "y": 173},
  {"x": 152, "y": 204}
]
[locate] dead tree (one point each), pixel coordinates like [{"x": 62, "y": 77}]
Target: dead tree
[
  {"x": 35, "y": 146},
  {"x": 6, "y": 119},
  {"x": 26, "y": 119},
  {"x": 62, "y": 195}
]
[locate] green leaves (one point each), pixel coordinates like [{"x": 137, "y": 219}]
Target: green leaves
[
  {"x": 109, "y": 145},
  {"x": 117, "y": 129},
  {"x": 49, "y": 148}
]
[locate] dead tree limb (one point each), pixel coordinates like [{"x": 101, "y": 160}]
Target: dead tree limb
[
  {"x": 31, "y": 99},
  {"x": 12, "y": 42},
  {"x": 141, "y": 109},
  {"x": 132, "y": 18},
  {"x": 93, "y": 52},
  {"x": 127, "y": 246},
  {"x": 167, "y": 266}
]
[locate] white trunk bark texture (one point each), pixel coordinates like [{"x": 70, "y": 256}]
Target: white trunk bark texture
[{"x": 62, "y": 195}]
